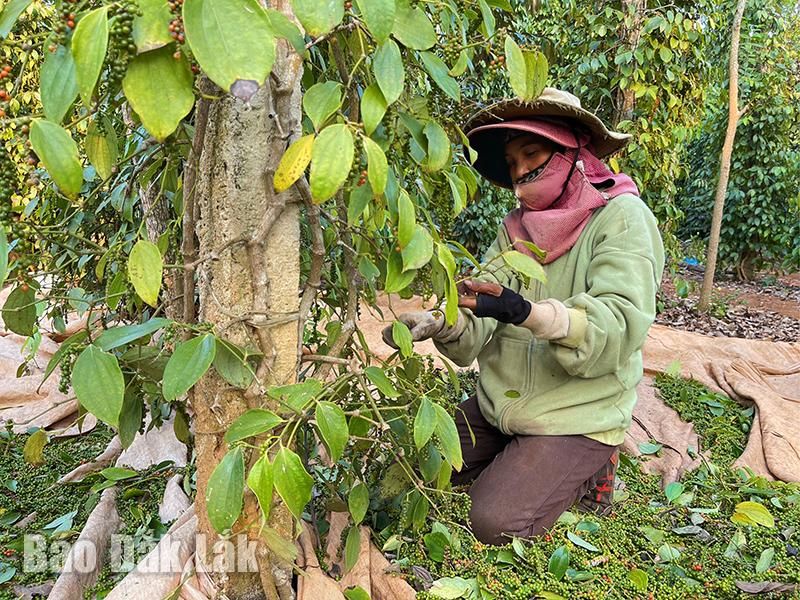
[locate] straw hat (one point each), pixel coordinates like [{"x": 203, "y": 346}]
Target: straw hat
[{"x": 487, "y": 128}]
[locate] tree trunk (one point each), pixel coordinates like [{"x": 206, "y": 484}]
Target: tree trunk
[
  {"x": 625, "y": 100},
  {"x": 725, "y": 159},
  {"x": 250, "y": 290}
]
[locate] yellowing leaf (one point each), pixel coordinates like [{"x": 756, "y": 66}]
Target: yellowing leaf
[
  {"x": 331, "y": 158},
  {"x": 101, "y": 148},
  {"x": 145, "y": 269},
  {"x": 151, "y": 28},
  {"x": 293, "y": 163}
]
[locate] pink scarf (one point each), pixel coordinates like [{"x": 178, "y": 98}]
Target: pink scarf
[{"x": 560, "y": 201}]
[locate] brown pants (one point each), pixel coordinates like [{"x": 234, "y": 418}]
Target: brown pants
[{"x": 522, "y": 483}]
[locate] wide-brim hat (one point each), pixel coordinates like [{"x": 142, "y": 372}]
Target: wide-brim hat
[{"x": 487, "y": 129}]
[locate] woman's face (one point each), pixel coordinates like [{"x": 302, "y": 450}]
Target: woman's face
[{"x": 526, "y": 153}]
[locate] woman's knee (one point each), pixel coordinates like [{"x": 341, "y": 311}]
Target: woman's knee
[{"x": 493, "y": 525}]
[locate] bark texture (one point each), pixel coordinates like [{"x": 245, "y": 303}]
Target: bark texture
[
  {"x": 725, "y": 159},
  {"x": 625, "y": 100},
  {"x": 249, "y": 290}
]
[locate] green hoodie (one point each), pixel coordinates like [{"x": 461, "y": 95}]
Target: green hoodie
[{"x": 583, "y": 383}]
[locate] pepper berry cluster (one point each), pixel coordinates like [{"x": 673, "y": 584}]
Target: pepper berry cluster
[{"x": 121, "y": 45}]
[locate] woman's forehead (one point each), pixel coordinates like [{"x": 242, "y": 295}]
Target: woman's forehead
[{"x": 517, "y": 142}]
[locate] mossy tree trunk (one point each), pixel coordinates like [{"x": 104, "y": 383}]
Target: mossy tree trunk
[{"x": 246, "y": 254}]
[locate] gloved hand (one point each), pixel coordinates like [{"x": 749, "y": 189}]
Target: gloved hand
[
  {"x": 495, "y": 301},
  {"x": 424, "y": 324}
]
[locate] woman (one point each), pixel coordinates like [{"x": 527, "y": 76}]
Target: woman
[{"x": 559, "y": 361}]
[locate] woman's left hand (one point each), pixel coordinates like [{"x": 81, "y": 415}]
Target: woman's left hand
[{"x": 486, "y": 299}]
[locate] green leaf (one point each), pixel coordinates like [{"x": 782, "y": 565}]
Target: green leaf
[
  {"x": 58, "y": 84},
  {"x": 459, "y": 191},
  {"x": 99, "y": 384},
  {"x": 450, "y": 587},
  {"x": 332, "y": 427},
  {"x": 358, "y": 200},
  {"x": 381, "y": 381},
  {"x": 377, "y": 166},
  {"x": 352, "y": 547},
  {"x": 559, "y": 562},
  {"x": 435, "y": 544},
  {"x": 437, "y": 69},
  {"x": 145, "y": 269},
  {"x": 373, "y": 107},
  {"x": 665, "y": 54},
  {"x": 321, "y": 100},
  {"x": 116, "y": 288},
  {"x": 292, "y": 481},
  {"x": 765, "y": 560},
  {"x": 524, "y": 265},
  {"x": 653, "y": 535},
  {"x": 419, "y": 250},
  {"x": 413, "y": 28},
  {"x": 438, "y": 146},
  {"x": 159, "y": 88},
  {"x": 579, "y": 541},
  {"x": 259, "y": 479},
  {"x": 118, "y": 473},
  {"x": 402, "y": 337},
  {"x": 284, "y": 28},
  {"x": 535, "y": 74},
  {"x": 752, "y": 513},
  {"x": 488, "y": 17},
  {"x": 253, "y": 422},
  {"x": 225, "y": 491},
  {"x": 59, "y": 153},
  {"x": 424, "y": 423},
  {"x": 19, "y": 311},
  {"x": 89, "y": 44},
  {"x": 125, "y": 334},
  {"x": 331, "y": 158},
  {"x": 180, "y": 425},
  {"x": 668, "y": 553},
  {"x": 187, "y": 365},
  {"x": 11, "y": 12},
  {"x": 3, "y": 255},
  {"x": 284, "y": 549},
  {"x": 387, "y": 64},
  {"x": 130, "y": 418},
  {"x": 516, "y": 67},
  {"x": 406, "y": 218},
  {"x": 673, "y": 490},
  {"x": 356, "y": 593},
  {"x": 101, "y": 148},
  {"x": 293, "y": 163},
  {"x": 296, "y": 395},
  {"x": 461, "y": 65},
  {"x": 33, "y": 451},
  {"x": 151, "y": 28},
  {"x": 649, "y": 447},
  {"x": 230, "y": 39},
  {"x": 396, "y": 278},
  {"x": 7, "y": 571},
  {"x": 231, "y": 362},
  {"x": 639, "y": 579},
  {"x": 358, "y": 502},
  {"x": 318, "y": 16},
  {"x": 446, "y": 259},
  {"x": 379, "y": 17},
  {"x": 447, "y": 432}
]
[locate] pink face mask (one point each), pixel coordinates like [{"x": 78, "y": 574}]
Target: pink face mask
[{"x": 545, "y": 188}]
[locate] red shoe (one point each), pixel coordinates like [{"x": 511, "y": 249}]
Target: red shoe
[{"x": 599, "y": 497}]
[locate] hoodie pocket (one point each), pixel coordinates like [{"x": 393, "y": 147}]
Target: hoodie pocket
[{"x": 505, "y": 369}]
